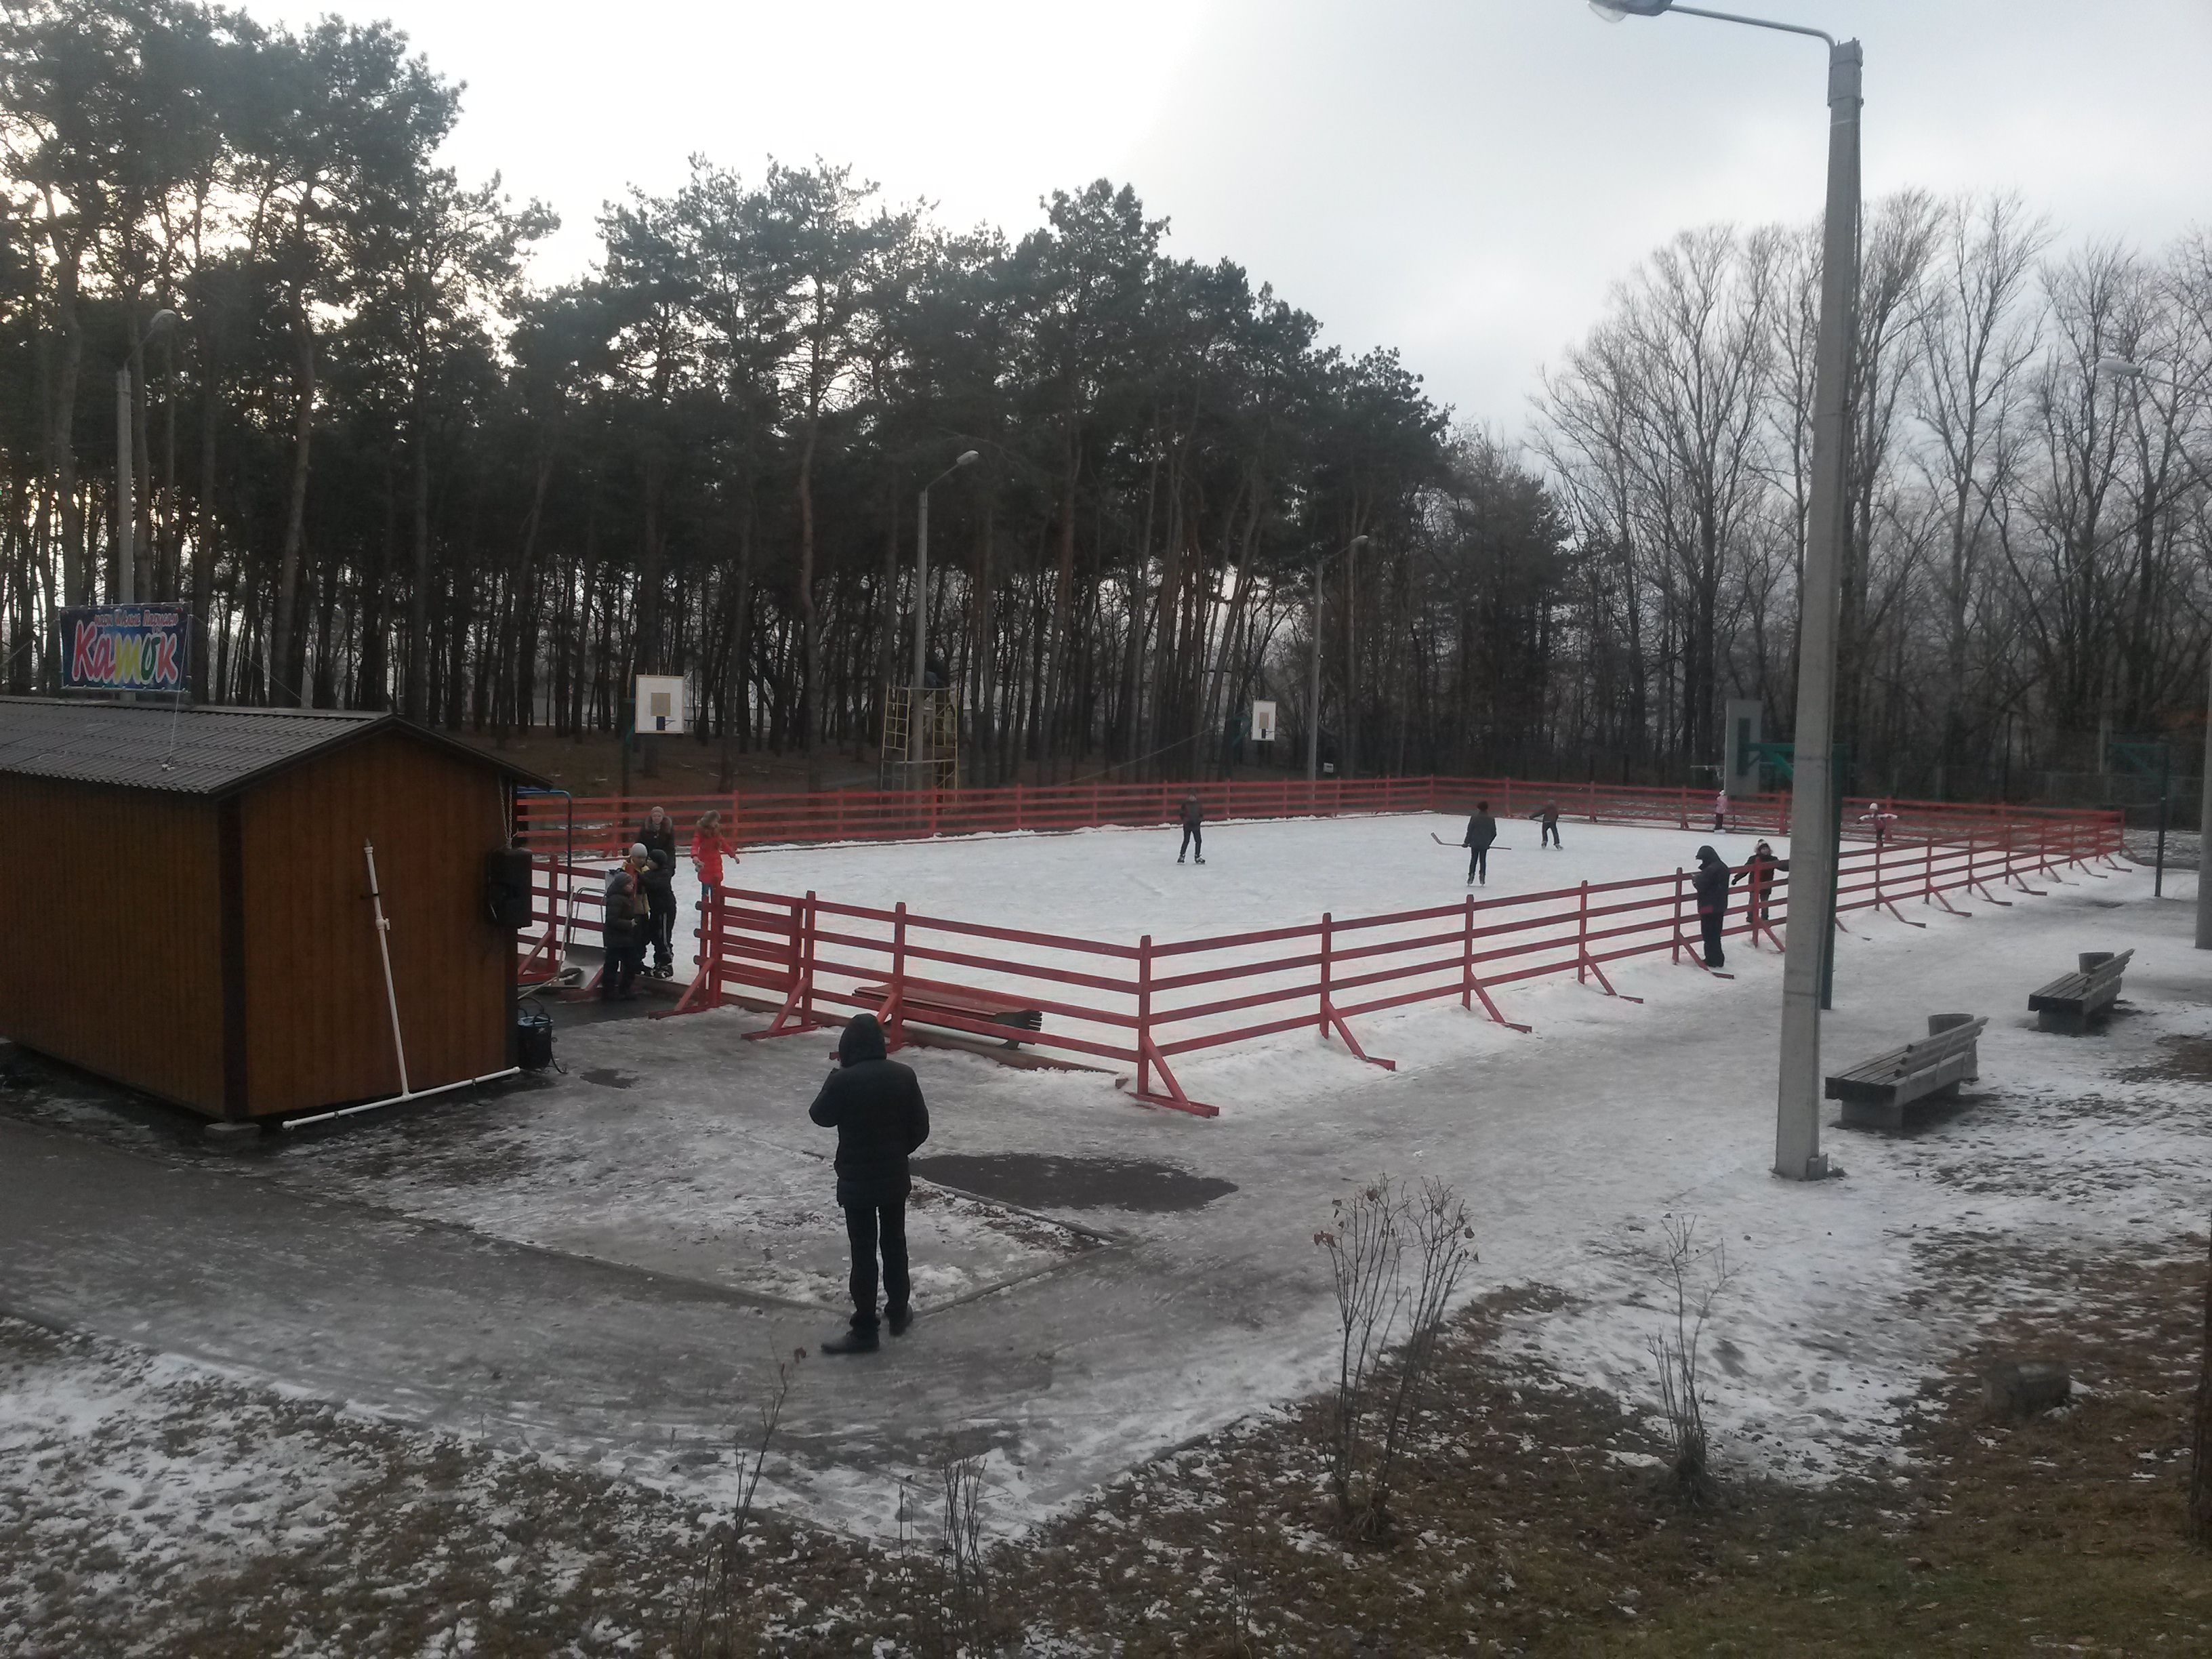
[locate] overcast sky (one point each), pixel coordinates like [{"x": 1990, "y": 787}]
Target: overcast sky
[{"x": 1461, "y": 178}]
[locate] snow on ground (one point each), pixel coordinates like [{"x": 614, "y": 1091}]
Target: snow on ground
[
  {"x": 1573, "y": 1142},
  {"x": 677, "y": 1145}
]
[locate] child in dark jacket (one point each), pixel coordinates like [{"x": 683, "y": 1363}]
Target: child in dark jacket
[
  {"x": 660, "y": 880},
  {"x": 875, "y": 1105}
]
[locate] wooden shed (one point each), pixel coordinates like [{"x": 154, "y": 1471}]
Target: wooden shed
[{"x": 189, "y": 906}]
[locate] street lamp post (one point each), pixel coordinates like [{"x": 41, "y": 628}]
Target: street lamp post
[
  {"x": 914, "y": 740},
  {"x": 1313, "y": 717},
  {"x": 2121, "y": 368},
  {"x": 126, "y": 519},
  {"x": 1797, "y": 1154}
]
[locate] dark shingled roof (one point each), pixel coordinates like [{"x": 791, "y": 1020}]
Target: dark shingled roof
[{"x": 190, "y": 751}]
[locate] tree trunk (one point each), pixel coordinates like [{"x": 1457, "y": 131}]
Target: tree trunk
[{"x": 287, "y": 570}]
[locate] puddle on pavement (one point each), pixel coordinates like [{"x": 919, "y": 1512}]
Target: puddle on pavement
[
  {"x": 2185, "y": 1059},
  {"x": 607, "y": 1078},
  {"x": 1039, "y": 1182}
]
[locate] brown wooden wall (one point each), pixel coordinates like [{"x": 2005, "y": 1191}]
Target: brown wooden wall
[
  {"x": 318, "y": 1030},
  {"x": 112, "y": 960}
]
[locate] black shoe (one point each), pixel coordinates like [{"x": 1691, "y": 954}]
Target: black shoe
[
  {"x": 1178, "y": 860},
  {"x": 853, "y": 1342},
  {"x": 898, "y": 1319},
  {"x": 1197, "y": 860}
]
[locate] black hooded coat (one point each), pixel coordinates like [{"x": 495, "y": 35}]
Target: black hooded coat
[
  {"x": 875, "y": 1105},
  {"x": 1711, "y": 882}
]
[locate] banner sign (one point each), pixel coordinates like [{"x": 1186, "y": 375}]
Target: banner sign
[{"x": 126, "y": 647}]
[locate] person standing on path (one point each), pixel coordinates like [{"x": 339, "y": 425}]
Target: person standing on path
[
  {"x": 1711, "y": 883},
  {"x": 658, "y": 835},
  {"x": 1549, "y": 817},
  {"x": 1481, "y": 831},
  {"x": 875, "y": 1105},
  {"x": 1193, "y": 817}
]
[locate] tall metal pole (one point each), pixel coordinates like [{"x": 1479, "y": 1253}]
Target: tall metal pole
[
  {"x": 126, "y": 521},
  {"x": 1797, "y": 1154},
  {"x": 2203, "y": 830},
  {"x": 1313, "y": 714},
  {"x": 1351, "y": 658},
  {"x": 921, "y": 628}
]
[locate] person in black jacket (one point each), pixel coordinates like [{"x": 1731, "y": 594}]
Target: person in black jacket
[
  {"x": 1481, "y": 831},
  {"x": 659, "y": 884},
  {"x": 622, "y": 934},
  {"x": 1711, "y": 882},
  {"x": 875, "y": 1105},
  {"x": 1193, "y": 816}
]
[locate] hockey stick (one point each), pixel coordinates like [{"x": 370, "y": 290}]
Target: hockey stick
[{"x": 1495, "y": 847}]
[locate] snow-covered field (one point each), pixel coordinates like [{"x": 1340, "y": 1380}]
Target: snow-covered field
[{"x": 676, "y": 1146}]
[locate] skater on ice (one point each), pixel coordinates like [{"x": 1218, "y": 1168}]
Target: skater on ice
[
  {"x": 1758, "y": 872},
  {"x": 710, "y": 847},
  {"x": 1193, "y": 817},
  {"x": 1880, "y": 817},
  {"x": 659, "y": 881},
  {"x": 1481, "y": 831},
  {"x": 1548, "y": 816},
  {"x": 621, "y": 934},
  {"x": 1711, "y": 883},
  {"x": 1720, "y": 813},
  {"x": 658, "y": 835},
  {"x": 875, "y": 1105}
]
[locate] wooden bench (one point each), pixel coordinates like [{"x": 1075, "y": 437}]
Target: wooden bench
[
  {"x": 985, "y": 1006},
  {"x": 1876, "y": 1094},
  {"x": 2069, "y": 1002}
]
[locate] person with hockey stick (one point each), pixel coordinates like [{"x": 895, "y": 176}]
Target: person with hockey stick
[
  {"x": 1481, "y": 831},
  {"x": 875, "y": 1105},
  {"x": 1194, "y": 817},
  {"x": 1549, "y": 817},
  {"x": 1711, "y": 883}
]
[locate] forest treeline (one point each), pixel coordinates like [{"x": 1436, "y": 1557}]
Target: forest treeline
[{"x": 387, "y": 471}]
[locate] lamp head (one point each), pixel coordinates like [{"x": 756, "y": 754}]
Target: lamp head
[
  {"x": 1356, "y": 541},
  {"x": 967, "y": 456},
  {"x": 1613, "y": 10},
  {"x": 162, "y": 322}
]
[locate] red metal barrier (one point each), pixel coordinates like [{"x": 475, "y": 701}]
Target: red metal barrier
[{"x": 1143, "y": 1006}]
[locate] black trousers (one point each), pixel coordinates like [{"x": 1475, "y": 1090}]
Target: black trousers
[
  {"x": 1711, "y": 922},
  {"x": 868, "y": 1228},
  {"x": 663, "y": 938},
  {"x": 1193, "y": 841},
  {"x": 1551, "y": 831},
  {"x": 1478, "y": 863}
]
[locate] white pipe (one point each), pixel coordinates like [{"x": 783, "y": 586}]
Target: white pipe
[
  {"x": 395, "y": 1100},
  {"x": 384, "y": 949}
]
